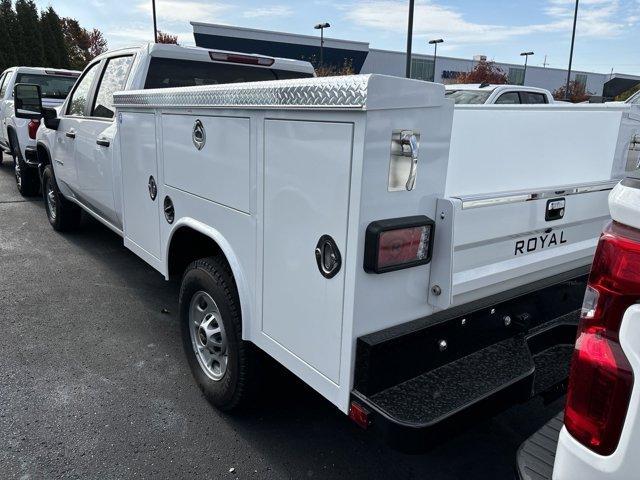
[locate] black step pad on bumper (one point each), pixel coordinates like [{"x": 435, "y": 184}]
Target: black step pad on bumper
[
  {"x": 428, "y": 398},
  {"x": 422, "y": 380},
  {"x": 537, "y": 455}
]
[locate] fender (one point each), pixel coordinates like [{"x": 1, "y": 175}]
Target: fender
[{"x": 232, "y": 258}]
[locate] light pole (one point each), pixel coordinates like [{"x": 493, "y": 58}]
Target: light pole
[
  {"x": 321, "y": 27},
  {"x": 435, "y": 55},
  {"x": 526, "y": 59},
  {"x": 155, "y": 25},
  {"x": 573, "y": 41},
  {"x": 409, "y": 37}
]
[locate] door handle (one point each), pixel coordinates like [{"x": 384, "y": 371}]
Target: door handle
[
  {"x": 71, "y": 133},
  {"x": 102, "y": 142}
]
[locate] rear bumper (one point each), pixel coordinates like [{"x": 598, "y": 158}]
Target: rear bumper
[
  {"x": 537, "y": 455},
  {"x": 423, "y": 380}
]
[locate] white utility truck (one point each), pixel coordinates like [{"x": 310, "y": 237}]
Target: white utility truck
[
  {"x": 18, "y": 135},
  {"x": 317, "y": 220}
]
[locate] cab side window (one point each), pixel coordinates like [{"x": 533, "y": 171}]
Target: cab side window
[
  {"x": 533, "y": 98},
  {"x": 4, "y": 83},
  {"x": 80, "y": 95},
  {"x": 113, "y": 80},
  {"x": 509, "y": 98}
]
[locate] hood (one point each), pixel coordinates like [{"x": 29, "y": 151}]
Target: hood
[{"x": 52, "y": 102}]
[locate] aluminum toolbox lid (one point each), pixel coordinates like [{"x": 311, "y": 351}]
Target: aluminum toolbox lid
[{"x": 353, "y": 92}]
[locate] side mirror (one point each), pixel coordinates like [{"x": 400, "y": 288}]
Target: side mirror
[
  {"x": 51, "y": 120},
  {"x": 27, "y": 101}
]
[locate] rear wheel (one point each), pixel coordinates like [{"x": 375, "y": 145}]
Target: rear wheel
[
  {"x": 221, "y": 362},
  {"x": 26, "y": 178},
  {"x": 62, "y": 214}
]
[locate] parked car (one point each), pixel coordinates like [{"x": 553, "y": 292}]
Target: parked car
[
  {"x": 17, "y": 135},
  {"x": 600, "y": 437},
  {"x": 330, "y": 223},
  {"x": 488, "y": 94}
]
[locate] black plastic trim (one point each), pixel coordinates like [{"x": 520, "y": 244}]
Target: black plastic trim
[
  {"x": 631, "y": 182},
  {"x": 372, "y": 240}
]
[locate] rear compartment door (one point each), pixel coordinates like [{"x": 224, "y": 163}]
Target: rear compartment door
[
  {"x": 488, "y": 244},
  {"x": 306, "y": 198}
]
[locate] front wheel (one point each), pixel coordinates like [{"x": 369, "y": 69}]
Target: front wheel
[
  {"x": 62, "y": 214},
  {"x": 221, "y": 362}
]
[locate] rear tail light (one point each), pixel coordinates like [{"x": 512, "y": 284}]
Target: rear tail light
[
  {"x": 359, "y": 415},
  {"x": 33, "y": 128},
  {"x": 398, "y": 243},
  {"x": 601, "y": 378},
  {"x": 245, "y": 59}
]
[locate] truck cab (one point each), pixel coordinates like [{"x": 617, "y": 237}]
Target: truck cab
[
  {"x": 17, "y": 135},
  {"x": 82, "y": 140}
]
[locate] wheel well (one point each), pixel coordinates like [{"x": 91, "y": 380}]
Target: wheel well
[
  {"x": 43, "y": 155},
  {"x": 188, "y": 245}
]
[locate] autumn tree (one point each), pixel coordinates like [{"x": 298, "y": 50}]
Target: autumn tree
[
  {"x": 167, "y": 38},
  {"x": 484, "y": 72},
  {"x": 577, "y": 92},
  {"x": 97, "y": 44}
]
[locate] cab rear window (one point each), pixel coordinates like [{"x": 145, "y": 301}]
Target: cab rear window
[
  {"x": 51, "y": 86},
  {"x": 170, "y": 72}
]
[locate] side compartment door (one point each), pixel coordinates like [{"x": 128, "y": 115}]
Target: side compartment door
[
  {"x": 139, "y": 176},
  {"x": 306, "y": 199},
  {"x": 5, "y": 79}
]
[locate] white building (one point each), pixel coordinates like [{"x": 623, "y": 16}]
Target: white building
[{"x": 370, "y": 60}]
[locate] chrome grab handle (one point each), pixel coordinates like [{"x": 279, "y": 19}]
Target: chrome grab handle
[{"x": 409, "y": 143}]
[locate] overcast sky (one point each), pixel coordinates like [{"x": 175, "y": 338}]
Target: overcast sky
[{"x": 608, "y": 31}]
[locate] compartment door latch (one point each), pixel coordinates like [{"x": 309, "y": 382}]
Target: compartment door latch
[{"x": 328, "y": 257}]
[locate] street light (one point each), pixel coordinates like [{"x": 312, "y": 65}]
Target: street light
[
  {"x": 155, "y": 25},
  {"x": 321, "y": 27},
  {"x": 526, "y": 58},
  {"x": 409, "y": 37},
  {"x": 435, "y": 55},
  {"x": 573, "y": 40}
]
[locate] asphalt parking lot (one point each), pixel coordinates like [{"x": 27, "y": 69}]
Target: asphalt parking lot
[{"x": 94, "y": 384}]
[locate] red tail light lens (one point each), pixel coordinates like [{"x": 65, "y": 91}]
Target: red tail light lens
[
  {"x": 398, "y": 243},
  {"x": 33, "y": 128},
  {"x": 601, "y": 378}
]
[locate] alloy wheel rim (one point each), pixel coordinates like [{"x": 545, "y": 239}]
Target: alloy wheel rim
[
  {"x": 208, "y": 336},
  {"x": 51, "y": 201},
  {"x": 16, "y": 168}
]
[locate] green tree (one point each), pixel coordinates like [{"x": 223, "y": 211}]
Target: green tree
[
  {"x": 30, "y": 38},
  {"x": 55, "y": 49},
  {"x": 9, "y": 53}
]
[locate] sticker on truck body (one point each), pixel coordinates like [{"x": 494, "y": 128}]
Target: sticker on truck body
[{"x": 540, "y": 242}]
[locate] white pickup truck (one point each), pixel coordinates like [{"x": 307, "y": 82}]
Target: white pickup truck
[
  {"x": 18, "y": 135},
  {"x": 331, "y": 223},
  {"x": 600, "y": 436},
  {"x": 490, "y": 94}
]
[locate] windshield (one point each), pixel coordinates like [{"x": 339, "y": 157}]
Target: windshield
[
  {"x": 52, "y": 86},
  {"x": 170, "y": 72},
  {"x": 468, "y": 97}
]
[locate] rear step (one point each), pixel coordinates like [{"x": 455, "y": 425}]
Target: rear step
[
  {"x": 421, "y": 381},
  {"x": 536, "y": 456}
]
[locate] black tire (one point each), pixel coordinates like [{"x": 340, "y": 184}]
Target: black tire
[
  {"x": 238, "y": 383},
  {"x": 62, "y": 214},
  {"x": 27, "y": 179}
]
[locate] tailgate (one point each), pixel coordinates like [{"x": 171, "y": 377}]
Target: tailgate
[{"x": 491, "y": 243}]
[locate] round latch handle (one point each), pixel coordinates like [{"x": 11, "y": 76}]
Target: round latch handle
[
  {"x": 153, "y": 188},
  {"x": 328, "y": 257}
]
